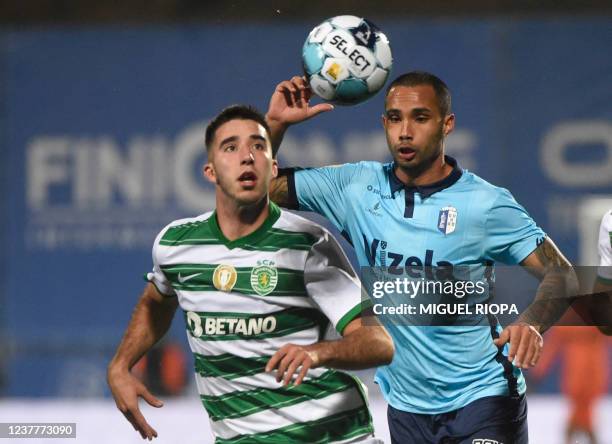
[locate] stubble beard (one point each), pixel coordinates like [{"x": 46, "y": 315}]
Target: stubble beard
[
  {"x": 432, "y": 151},
  {"x": 232, "y": 194}
]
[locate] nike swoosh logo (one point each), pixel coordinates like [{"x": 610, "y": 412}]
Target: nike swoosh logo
[{"x": 183, "y": 279}]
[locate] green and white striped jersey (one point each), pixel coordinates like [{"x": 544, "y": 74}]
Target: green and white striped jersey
[{"x": 246, "y": 298}]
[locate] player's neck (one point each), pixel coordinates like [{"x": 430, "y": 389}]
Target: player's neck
[
  {"x": 236, "y": 221},
  {"x": 432, "y": 173}
]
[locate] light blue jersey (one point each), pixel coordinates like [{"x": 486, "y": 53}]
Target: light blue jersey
[{"x": 461, "y": 220}]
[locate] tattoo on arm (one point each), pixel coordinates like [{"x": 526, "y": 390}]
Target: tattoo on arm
[
  {"x": 558, "y": 285},
  {"x": 549, "y": 255}
]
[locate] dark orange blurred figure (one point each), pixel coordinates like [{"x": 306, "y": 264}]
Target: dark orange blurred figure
[
  {"x": 164, "y": 368},
  {"x": 584, "y": 372}
]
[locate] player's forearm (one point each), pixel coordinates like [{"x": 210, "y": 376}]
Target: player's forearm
[
  {"x": 279, "y": 191},
  {"x": 552, "y": 300},
  {"x": 363, "y": 348},
  {"x": 557, "y": 289},
  {"x": 277, "y": 132},
  {"x": 150, "y": 321}
]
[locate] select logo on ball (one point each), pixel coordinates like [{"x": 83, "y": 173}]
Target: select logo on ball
[{"x": 346, "y": 59}]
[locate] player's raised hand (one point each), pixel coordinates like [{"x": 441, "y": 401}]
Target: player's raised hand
[
  {"x": 126, "y": 390},
  {"x": 525, "y": 344},
  {"x": 288, "y": 359},
  {"x": 290, "y": 103}
]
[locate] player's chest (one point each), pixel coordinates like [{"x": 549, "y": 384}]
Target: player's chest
[
  {"x": 412, "y": 217},
  {"x": 391, "y": 233},
  {"x": 255, "y": 273}
]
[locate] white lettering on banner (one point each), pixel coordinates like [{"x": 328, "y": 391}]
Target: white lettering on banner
[
  {"x": 122, "y": 173},
  {"x": 577, "y": 174},
  {"x": 46, "y": 165},
  {"x": 98, "y": 171},
  {"x": 95, "y": 170}
]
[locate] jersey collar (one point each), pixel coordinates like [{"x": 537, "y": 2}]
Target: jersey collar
[
  {"x": 250, "y": 239},
  {"x": 429, "y": 189}
]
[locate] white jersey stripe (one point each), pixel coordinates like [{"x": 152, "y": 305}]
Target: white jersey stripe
[
  {"x": 220, "y": 254},
  {"x": 220, "y": 386},
  {"x": 268, "y": 420},
  {"x": 218, "y": 301}
]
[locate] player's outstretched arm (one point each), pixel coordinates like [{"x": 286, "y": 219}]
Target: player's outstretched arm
[
  {"x": 290, "y": 104},
  {"x": 558, "y": 283},
  {"x": 150, "y": 321},
  {"x": 360, "y": 347}
]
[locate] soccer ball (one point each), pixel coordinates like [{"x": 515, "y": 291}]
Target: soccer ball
[{"x": 347, "y": 59}]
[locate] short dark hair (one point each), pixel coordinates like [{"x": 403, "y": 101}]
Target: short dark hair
[
  {"x": 416, "y": 78},
  {"x": 234, "y": 112}
]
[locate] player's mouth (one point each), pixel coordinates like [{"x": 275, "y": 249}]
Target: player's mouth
[
  {"x": 248, "y": 179},
  {"x": 406, "y": 153}
]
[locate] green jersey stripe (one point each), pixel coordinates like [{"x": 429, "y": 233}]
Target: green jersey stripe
[
  {"x": 338, "y": 427},
  {"x": 201, "y": 233},
  {"x": 238, "y": 404},
  {"x": 604, "y": 280},
  {"x": 190, "y": 230},
  {"x": 191, "y": 241},
  {"x": 229, "y": 366},
  {"x": 199, "y": 277},
  {"x": 208, "y": 326}
]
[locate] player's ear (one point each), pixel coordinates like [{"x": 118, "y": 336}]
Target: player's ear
[
  {"x": 449, "y": 124},
  {"x": 274, "y": 168},
  {"x": 209, "y": 172},
  {"x": 383, "y": 119}
]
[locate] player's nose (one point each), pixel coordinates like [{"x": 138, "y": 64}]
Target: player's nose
[
  {"x": 406, "y": 130},
  {"x": 246, "y": 155}
]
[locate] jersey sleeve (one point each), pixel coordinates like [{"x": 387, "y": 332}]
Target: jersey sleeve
[
  {"x": 604, "y": 247},
  {"x": 157, "y": 276},
  {"x": 324, "y": 190},
  {"x": 331, "y": 282},
  {"x": 511, "y": 234}
]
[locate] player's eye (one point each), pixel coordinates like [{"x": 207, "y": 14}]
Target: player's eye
[
  {"x": 393, "y": 118},
  {"x": 259, "y": 146},
  {"x": 422, "y": 119},
  {"x": 229, "y": 148}
]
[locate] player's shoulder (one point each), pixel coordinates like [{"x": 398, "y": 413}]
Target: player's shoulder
[
  {"x": 372, "y": 167},
  {"x": 366, "y": 172},
  {"x": 295, "y": 224},
  {"x": 359, "y": 168},
  {"x": 482, "y": 190},
  {"x": 606, "y": 221},
  {"x": 184, "y": 225}
]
